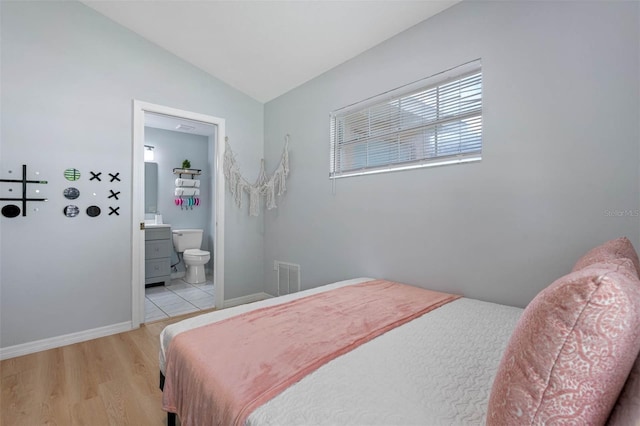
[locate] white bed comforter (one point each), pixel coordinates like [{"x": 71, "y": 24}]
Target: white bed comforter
[{"x": 435, "y": 370}]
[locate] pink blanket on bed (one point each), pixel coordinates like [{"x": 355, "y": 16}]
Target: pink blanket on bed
[{"x": 219, "y": 373}]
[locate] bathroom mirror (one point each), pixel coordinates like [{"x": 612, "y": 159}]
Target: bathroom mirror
[{"x": 150, "y": 187}]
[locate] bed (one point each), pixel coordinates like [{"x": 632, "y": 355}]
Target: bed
[{"x": 447, "y": 366}]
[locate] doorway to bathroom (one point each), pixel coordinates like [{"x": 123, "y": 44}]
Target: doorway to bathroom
[{"x": 191, "y": 143}]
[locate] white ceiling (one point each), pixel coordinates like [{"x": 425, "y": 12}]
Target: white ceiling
[{"x": 266, "y": 48}]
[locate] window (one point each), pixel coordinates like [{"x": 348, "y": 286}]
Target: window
[{"x": 434, "y": 121}]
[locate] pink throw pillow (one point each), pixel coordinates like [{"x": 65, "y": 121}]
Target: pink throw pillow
[
  {"x": 627, "y": 409},
  {"x": 611, "y": 250},
  {"x": 572, "y": 350}
]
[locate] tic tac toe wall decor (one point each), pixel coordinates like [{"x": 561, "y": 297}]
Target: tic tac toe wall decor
[
  {"x": 71, "y": 193},
  {"x": 12, "y": 210},
  {"x": 71, "y": 210},
  {"x": 114, "y": 195},
  {"x": 72, "y": 174},
  {"x": 93, "y": 211}
]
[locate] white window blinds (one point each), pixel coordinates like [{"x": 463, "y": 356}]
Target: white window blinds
[{"x": 435, "y": 121}]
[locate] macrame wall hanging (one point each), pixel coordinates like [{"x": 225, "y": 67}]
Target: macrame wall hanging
[{"x": 268, "y": 187}]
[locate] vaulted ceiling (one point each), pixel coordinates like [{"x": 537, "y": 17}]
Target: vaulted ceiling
[{"x": 266, "y": 48}]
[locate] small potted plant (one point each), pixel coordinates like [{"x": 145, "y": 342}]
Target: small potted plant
[{"x": 186, "y": 164}]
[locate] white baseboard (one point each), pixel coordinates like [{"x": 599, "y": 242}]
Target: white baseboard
[
  {"x": 246, "y": 299},
  {"x": 67, "y": 339}
]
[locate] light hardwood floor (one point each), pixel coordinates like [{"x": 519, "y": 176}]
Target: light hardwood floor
[{"x": 108, "y": 381}]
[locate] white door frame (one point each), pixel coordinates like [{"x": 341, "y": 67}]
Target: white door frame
[{"x": 137, "y": 202}]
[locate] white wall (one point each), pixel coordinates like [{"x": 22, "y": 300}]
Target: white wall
[
  {"x": 69, "y": 76},
  {"x": 561, "y": 148}
]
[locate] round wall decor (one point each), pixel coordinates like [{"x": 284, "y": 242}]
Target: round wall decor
[
  {"x": 72, "y": 174},
  {"x": 10, "y": 210},
  {"x": 93, "y": 211},
  {"x": 71, "y": 211},
  {"x": 71, "y": 193}
]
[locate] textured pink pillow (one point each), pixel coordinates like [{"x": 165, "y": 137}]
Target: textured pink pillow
[
  {"x": 572, "y": 350},
  {"x": 627, "y": 409},
  {"x": 614, "y": 249}
]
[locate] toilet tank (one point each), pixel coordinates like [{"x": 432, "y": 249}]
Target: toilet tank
[{"x": 185, "y": 239}]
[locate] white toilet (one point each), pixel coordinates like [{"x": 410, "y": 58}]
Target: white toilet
[{"x": 187, "y": 242}]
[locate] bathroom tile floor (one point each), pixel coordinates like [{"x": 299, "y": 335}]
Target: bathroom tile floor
[{"x": 178, "y": 298}]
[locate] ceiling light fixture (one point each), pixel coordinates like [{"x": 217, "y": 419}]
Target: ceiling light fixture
[
  {"x": 184, "y": 127},
  {"x": 148, "y": 153}
]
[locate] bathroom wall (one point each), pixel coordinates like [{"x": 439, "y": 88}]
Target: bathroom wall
[
  {"x": 170, "y": 149},
  {"x": 69, "y": 77}
]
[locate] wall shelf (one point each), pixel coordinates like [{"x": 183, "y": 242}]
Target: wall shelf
[{"x": 192, "y": 172}]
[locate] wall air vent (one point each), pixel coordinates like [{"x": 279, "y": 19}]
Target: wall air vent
[
  {"x": 287, "y": 277},
  {"x": 184, "y": 127}
]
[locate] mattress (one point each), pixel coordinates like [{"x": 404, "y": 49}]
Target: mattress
[{"x": 436, "y": 369}]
